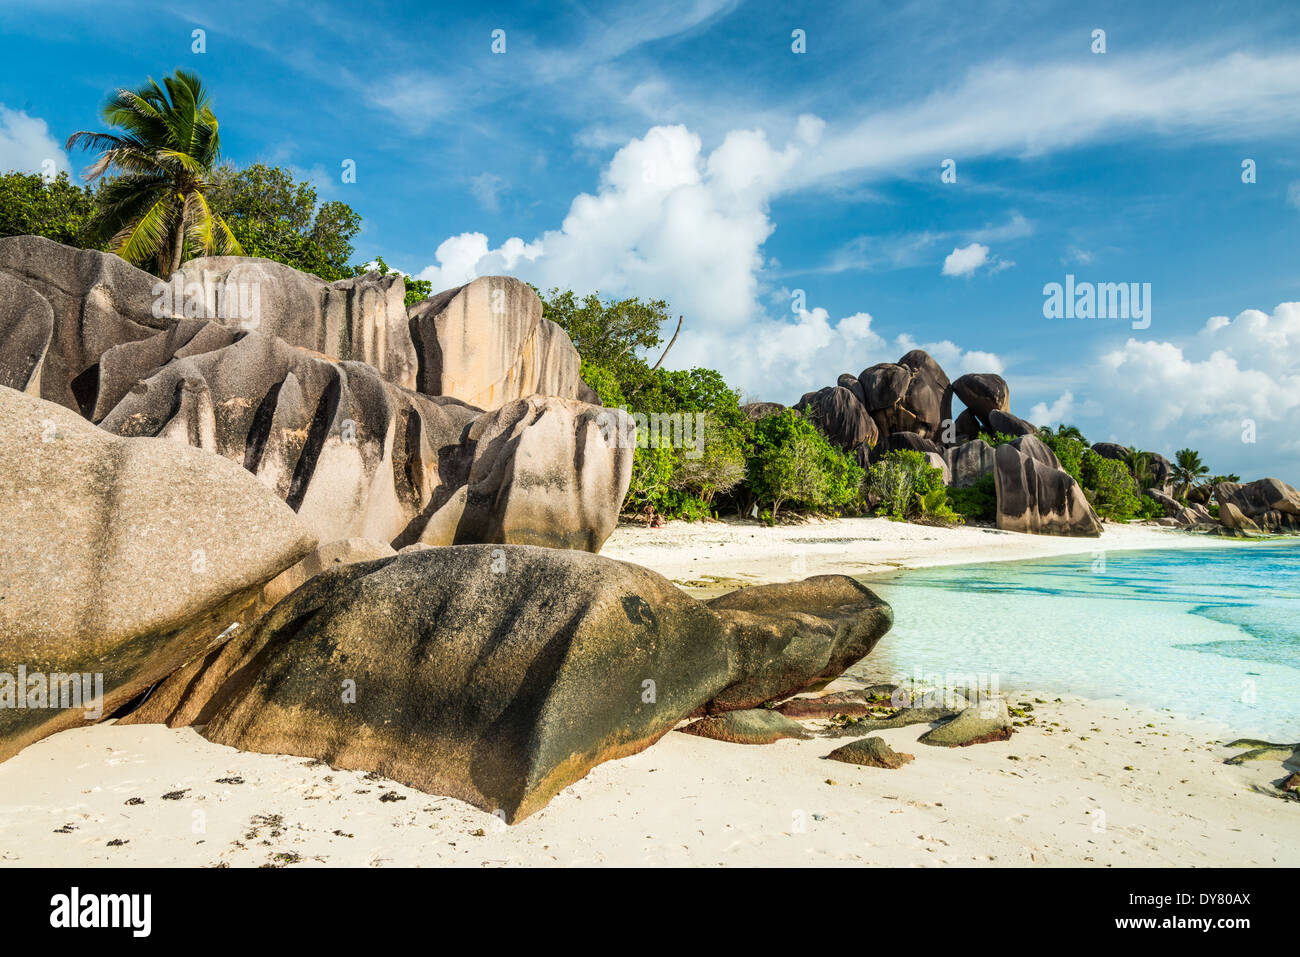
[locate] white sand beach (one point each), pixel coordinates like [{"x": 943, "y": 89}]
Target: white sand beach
[
  {"x": 1092, "y": 783},
  {"x": 708, "y": 558}
]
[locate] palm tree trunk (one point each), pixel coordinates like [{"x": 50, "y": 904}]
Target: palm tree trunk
[{"x": 179, "y": 246}]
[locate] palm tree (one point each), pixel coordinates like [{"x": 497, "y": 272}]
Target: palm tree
[
  {"x": 1188, "y": 467},
  {"x": 1139, "y": 464},
  {"x": 164, "y": 147},
  {"x": 1064, "y": 431}
]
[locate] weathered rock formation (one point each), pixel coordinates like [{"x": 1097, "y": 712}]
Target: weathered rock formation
[
  {"x": 794, "y": 636},
  {"x": 981, "y": 393},
  {"x": 1008, "y": 424},
  {"x": 123, "y": 558},
  {"x": 969, "y": 462},
  {"x": 1272, "y": 505},
  {"x": 362, "y": 319},
  {"x": 906, "y": 396},
  {"x": 359, "y": 457},
  {"x": 487, "y": 344},
  {"x": 1034, "y": 497},
  {"x": 840, "y": 416},
  {"x": 60, "y": 309},
  {"x": 499, "y": 675}
]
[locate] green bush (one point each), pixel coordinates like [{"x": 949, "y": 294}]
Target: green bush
[
  {"x": 1069, "y": 451},
  {"x": 909, "y": 487},
  {"x": 791, "y": 463},
  {"x": 977, "y": 502},
  {"x": 1110, "y": 487}
]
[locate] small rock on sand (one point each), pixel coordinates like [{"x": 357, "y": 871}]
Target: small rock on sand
[
  {"x": 750, "y": 726},
  {"x": 871, "y": 752},
  {"x": 978, "y": 724}
]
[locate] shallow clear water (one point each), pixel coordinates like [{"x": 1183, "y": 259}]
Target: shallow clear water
[{"x": 1208, "y": 633}]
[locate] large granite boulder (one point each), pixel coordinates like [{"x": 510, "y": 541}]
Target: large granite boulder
[
  {"x": 906, "y": 396},
  {"x": 61, "y": 308},
  {"x": 1170, "y": 504},
  {"x": 353, "y": 454},
  {"x": 909, "y": 441},
  {"x": 487, "y": 344},
  {"x": 499, "y": 675},
  {"x": 1036, "y": 449},
  {"x": 839, "y": 414},
  {"x": 1273, "y": 505},
  {"x": 356, "y": 456},
  {"x": 981, "y": 393},
  {"x": 361, "y": 319},
  {"x": 541, "y": 471},
  {"x": 850, "y": 382},
  {"x": 123, "y": 559},
  {"x": 966, "y": 428},
  {"x": 1038, "y": 499},
  {"x": 1111, "y": 450},
  {"x": 1233, "y": 517},
  {"x": 1007, "y": 424},
  {"x": 969, "y": 462},
  {"x": 796, "y": 636},
  {"x": 1162, "y": 471}
]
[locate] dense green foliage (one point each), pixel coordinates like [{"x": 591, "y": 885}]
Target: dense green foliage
[
  {"x": 793, "y": 464},
  {"x": 57, "y": 208},
  {"x": 274, "y": 217},
  {"x": 1110, "y": 487},
  {"x": 907, "y": 486},
  {"x": 1069, "y": 449},
  {"x": 977, "y": 502}
]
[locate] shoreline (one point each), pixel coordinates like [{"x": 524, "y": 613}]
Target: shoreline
[{"x": 710, "y": 558}]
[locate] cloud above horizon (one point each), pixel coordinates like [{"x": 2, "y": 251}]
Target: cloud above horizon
[{"x": 27, "y": 146}]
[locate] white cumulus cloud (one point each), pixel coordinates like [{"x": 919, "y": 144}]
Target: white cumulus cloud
[
  {"x": 26, "y": 145},
  {"x": 964, "y": 260}
]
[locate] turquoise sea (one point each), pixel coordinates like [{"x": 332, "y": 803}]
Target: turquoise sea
[{"x": 1209, "y": 633}]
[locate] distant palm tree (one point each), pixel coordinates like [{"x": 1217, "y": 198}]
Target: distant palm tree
[
  {"x": 1139, "y": 464},
  {"x": 1064, "y": 431},
  {"x": 1188, "y": 468},
  {"x": 164, "y": 147}
]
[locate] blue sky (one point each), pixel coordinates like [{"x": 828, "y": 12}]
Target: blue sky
[{"x": 790, "y": 205}]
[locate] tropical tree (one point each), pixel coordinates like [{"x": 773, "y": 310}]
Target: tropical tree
[
  {"x": 163, "y": 144},
  {"x": 1139, "y": 466},
  {"x": 1188, "y": 468}
]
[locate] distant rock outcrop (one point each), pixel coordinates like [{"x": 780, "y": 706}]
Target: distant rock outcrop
[
  {"x": 123, "y": 559},
  {"x": 840, "y": 416},
  {"x": 1271, "y": 504}
]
